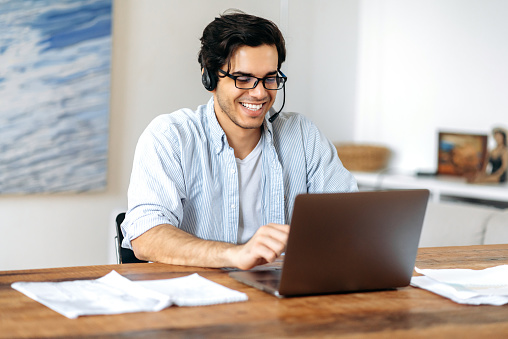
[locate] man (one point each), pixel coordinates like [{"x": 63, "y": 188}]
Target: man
[{"x": 215, "y": 187}]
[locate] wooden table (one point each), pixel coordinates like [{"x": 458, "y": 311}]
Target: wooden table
[{"x": 404, "y": 313}]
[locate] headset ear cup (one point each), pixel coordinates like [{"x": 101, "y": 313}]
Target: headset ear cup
[{"x": 208, "y": 80}]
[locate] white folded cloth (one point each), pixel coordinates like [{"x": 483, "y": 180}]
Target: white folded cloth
[
  {"x": 113, "y": 294},
  {"x": 466, "y": 286}
]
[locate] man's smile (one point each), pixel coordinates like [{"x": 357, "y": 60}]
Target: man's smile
[{"x": 252, "y": 107}]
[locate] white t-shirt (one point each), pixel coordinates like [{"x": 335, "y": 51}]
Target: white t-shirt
[{"x": 249, "y": 177}]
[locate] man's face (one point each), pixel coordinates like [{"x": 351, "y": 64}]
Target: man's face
[{"x": 242, "y": 109}]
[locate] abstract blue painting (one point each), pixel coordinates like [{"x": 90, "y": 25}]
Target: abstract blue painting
[{"x": 55, "y": 60}]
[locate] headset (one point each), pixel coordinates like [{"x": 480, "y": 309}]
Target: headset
[{"x": 210, "y": 80}]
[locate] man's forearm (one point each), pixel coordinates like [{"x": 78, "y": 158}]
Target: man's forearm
[{"x": 169, "y": 244}]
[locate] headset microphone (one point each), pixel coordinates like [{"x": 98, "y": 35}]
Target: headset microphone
[{"x": 273, "y": 117}]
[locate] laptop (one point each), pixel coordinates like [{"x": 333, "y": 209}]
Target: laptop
[{"x": 346, "y": 242}]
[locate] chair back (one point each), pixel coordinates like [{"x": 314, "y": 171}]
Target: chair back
[{"x": 123, "y": 255}]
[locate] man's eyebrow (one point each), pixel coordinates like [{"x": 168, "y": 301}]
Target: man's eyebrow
[{"x": 240, "y": 73}]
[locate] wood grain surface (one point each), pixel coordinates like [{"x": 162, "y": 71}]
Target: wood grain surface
[{"x": 403, "y": 313}]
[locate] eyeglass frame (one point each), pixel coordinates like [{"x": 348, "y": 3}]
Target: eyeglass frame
[{"x": 234, "y": 77}]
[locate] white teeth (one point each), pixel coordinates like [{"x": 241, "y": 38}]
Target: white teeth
[{"x": 252, "y": 107}]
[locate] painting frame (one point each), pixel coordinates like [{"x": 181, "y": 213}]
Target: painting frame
[{"x": 461, "y": 154}]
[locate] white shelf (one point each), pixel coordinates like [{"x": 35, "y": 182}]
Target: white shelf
[{"x": 438, "y": 185}]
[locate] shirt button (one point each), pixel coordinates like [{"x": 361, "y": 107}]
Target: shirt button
[
  {"x": 233, "y": 171},
  {"x": 233, "y": 206}
]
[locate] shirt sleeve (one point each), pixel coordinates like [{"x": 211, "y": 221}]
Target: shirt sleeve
[
  {"x": 325, "y": 172},
  {"x": 157, "y": 188}
]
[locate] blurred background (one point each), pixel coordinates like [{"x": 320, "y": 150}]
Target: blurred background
[{"x": 384, "y": 72}]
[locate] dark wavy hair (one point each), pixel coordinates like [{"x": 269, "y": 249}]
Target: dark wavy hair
[
  {"x": 500, "y": 131},
  {"x": 232, "y": 30}
]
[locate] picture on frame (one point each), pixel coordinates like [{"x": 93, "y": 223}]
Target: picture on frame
[
  {"x": 55, "y": 69},
  {"x": 461, "y": 154}
]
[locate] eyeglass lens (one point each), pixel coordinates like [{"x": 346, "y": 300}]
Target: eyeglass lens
[{"x": 271, "y": 83}]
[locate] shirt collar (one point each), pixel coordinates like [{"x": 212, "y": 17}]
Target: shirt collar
[
  {"x": 217, "y": 134},
  {"x": 268, "y": 127}
]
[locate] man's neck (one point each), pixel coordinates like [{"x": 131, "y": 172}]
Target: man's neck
[{"x": 243, "y": 141}]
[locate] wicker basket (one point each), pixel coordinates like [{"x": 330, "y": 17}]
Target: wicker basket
[{"x": 364, "y": 158}]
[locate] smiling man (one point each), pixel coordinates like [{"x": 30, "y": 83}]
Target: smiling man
[{"x": 215, "y": 187}]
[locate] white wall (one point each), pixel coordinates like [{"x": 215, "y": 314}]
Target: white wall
[
  {"x": 426, "y": 66},
  {"x": 322, "y": 43}
]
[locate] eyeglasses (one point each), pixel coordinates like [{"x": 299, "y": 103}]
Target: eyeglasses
[{"x": 272, "y": 83}]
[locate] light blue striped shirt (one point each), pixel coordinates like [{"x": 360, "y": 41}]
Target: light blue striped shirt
[{"x": 185, "y": 174}]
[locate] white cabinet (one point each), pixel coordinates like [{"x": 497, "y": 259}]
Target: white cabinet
[{"x": 439, "y": 186}]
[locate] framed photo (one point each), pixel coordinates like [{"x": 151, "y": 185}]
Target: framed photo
[{"x": 461, "y": 154}]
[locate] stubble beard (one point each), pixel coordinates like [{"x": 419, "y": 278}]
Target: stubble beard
[{"x": 228, "y": 110}]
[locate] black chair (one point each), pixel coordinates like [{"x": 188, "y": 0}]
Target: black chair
[{"x": 123, "y": 255}]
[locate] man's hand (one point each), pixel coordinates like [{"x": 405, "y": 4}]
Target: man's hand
[{"x": 266, "y": 245}]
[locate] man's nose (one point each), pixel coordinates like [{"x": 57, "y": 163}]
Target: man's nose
[{"x": 259, "y": 91}]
